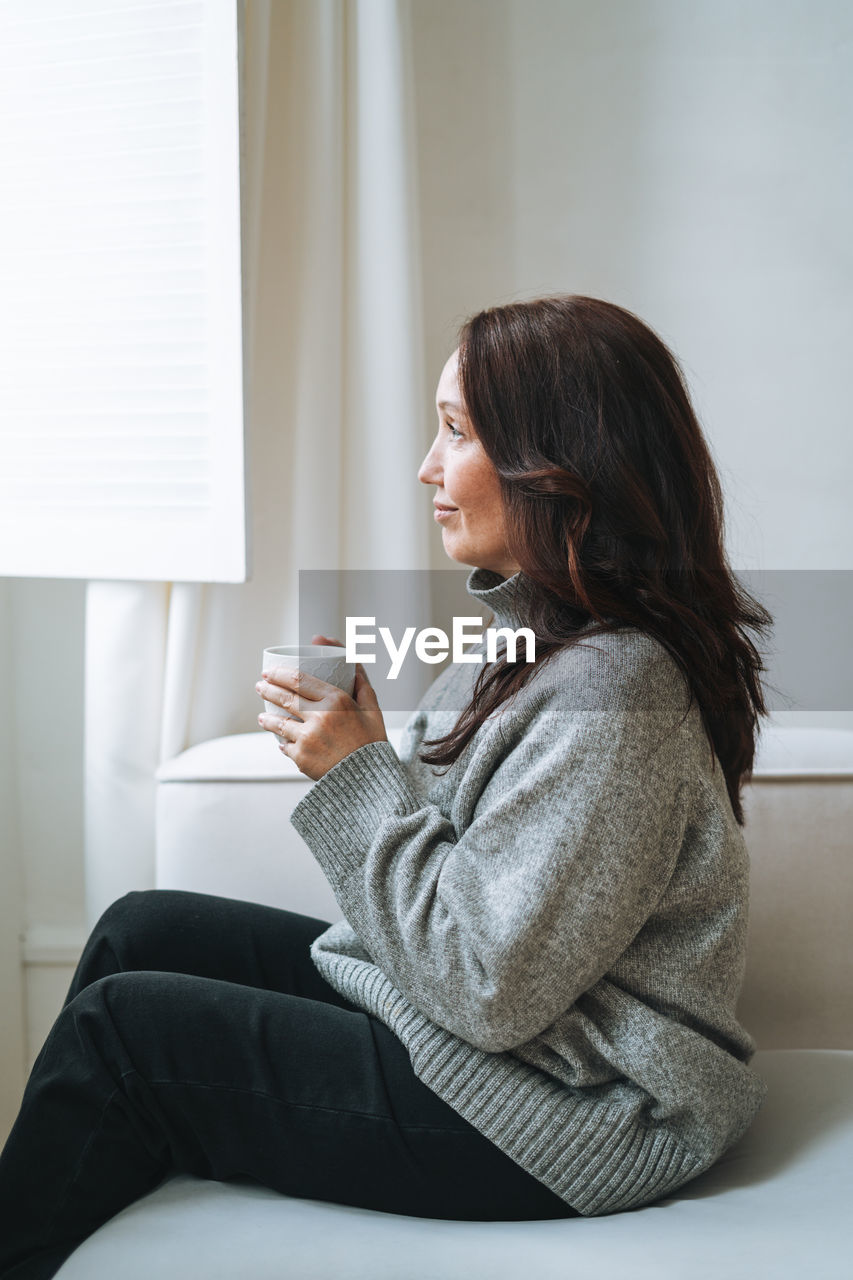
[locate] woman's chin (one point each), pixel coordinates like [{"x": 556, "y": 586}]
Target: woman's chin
[{"x": 453, "y": 547}]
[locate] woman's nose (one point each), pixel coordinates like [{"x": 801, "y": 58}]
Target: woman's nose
[{"x": 429, "y": 471}]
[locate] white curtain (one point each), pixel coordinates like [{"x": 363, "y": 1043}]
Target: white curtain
[{"x": 336, "y": 411}]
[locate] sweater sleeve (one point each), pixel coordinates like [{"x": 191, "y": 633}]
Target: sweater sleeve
[{"x": 494, "y": 933}]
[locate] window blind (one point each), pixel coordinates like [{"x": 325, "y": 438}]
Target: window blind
[{"x": 121, "y": 348}]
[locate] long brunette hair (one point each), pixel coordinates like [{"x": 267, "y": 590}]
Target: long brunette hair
[{"x": 613, "y": 509}]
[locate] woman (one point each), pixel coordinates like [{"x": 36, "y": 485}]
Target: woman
[{"x": 529, "y": 1010}]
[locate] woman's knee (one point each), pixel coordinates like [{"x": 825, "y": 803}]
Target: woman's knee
[
  {"x": 121, "y": 1018},
  {"x": 135, "y": 914},
  {"x": 130, "y": 933}
]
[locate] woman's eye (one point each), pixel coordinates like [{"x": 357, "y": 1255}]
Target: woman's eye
[{"x": 451, "y": 427}]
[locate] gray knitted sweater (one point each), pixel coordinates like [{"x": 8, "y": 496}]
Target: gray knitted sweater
[{"x": 555, "y": 926}]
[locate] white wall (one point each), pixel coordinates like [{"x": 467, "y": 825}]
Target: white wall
[{"x": 688, "y": 160}]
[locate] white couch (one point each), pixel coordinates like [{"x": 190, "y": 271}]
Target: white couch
[{"x": 778, "y": 1204}]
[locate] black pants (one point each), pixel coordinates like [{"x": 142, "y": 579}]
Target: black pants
[{"x": 198, "y": 1037}]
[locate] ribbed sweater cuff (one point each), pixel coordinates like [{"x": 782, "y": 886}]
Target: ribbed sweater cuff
[{"x": 340, "y": 815}]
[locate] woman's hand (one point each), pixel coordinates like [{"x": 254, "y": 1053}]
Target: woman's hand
[{"x": 331, "y": 723}]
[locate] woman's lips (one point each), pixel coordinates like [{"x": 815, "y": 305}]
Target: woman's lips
[{"x": 441, "y": 513}]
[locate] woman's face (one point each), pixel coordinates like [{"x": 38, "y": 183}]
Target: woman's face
[{"x": 465, "y": 480}]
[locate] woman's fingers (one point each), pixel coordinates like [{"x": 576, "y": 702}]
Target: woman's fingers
[{"x": 326, "y": 640}]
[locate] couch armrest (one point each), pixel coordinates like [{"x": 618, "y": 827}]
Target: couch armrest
[{"x": 223, "y": 826}]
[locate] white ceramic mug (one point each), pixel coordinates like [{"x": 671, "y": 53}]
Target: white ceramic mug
[{"x": 325, "y": 661}]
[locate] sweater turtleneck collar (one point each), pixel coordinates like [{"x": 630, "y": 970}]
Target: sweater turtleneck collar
[{"x": 507, "y": 598}]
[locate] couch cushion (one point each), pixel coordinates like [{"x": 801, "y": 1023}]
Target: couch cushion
[{"x": 776, "y": 1205}]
